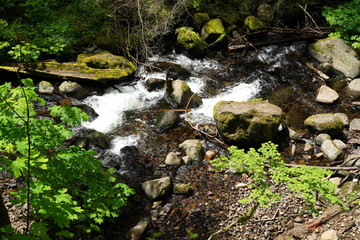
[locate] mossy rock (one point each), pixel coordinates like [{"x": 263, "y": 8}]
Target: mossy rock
[
  {"x": 247, "y": 123},
  {"x": 190, "y": 42},
  {"x": 180, "y": 93},
  {"x": 200, "y": 18},
  {"x": 213, "y": 32},
  {"x": 253, "y": 23},
  {"x": 325, "y": 123},
  {"x": 232, "y": 18}
]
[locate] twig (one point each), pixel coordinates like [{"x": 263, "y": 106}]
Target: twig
[
  {"x": 320, "y": 73},
  {"x": 328, "y": 168},
  {"x": 304, "y": 9}
]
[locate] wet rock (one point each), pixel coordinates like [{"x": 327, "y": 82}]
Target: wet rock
[
  {"x": 193, "y": 149},
  {"x": 326, "y": 123},
  {"x": 172, "y": 159},
  {"x": 136, "y": 232},
  {"x": 336, "y": 52},
  {"x": 333, "y": 149},
  {"x": 99, "y": 139},
  {"x": 190, "y": 42},
  {"x": 213, "y": 33},
  {"x": 180, "y": 93},
  {"x": 329, "y": 235},
  {"x": 181, "y": 188},
  {"x": 355, "y": 124},
  {"x": 173, "y": 70},
  {"x": 46, "y": 87},
  {"x": 167, "y": 120},
  {"x": 265, "y": 12},
  {"x": 326, "y": 95},
  {"x": 353, "y": 89},
  {"x": 353, "y": 159},
  {"x": 73, "y": 89},
  {"x": 247, "y": 123},
  {"x": 153, "y": 84},
  {"x": 156, "y": 188},
  {"x": 253, "y": 23},
  {"x": 319, "y": 139}
]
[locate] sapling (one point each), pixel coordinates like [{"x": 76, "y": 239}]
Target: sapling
[{"x": 265, "y": 166}]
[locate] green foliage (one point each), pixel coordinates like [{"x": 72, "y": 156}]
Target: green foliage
[
  {"x": 155, "y": 236},
  {"x": 25, "y": 52},
  {"x": 191, "y": 234},
  {"x": 346, "y": 19},
  {"x": 68, "y": 184},
  {"x": 266, "y": 167}
]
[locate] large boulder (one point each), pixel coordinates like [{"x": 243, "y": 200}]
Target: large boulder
[
  {"x": 336, "y": 52},
  {"x": 179, "y": 94},
  {"x": 190, "y": 42},
  {"x": 247, "y": 123},
  {"x": 213, "y": 32},
  {"x": 325, "y": 123}
]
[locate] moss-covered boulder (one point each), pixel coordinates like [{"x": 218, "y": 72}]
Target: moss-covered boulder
[
  {"x": 337, "y": 53},
  {"x": 247, "y": 123},
  {"x": 230, "y": 19},
  {"x": 214, "y": 34},
  {"x": 326, "y": 123},
  {"x": 179, "y": 94},
  {"x": 190, "y": 43},
  {"x": 200, "y": 18},
  {"x": 253, "y": 23}
]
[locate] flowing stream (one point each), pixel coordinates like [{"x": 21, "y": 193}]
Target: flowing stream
[{"x": 213, "y": 79}]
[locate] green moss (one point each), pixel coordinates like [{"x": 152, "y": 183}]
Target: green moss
[
  {"x": 201, "y": 18},
  {"x": 190, "y": 40},
  {"x": 253, "y": 23},
  {"x": 317, "y": 48}
]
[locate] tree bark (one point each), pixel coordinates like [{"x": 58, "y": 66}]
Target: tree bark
[{"x": 4, "y": 217}]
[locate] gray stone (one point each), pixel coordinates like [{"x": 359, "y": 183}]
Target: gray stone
[
  {"x": 329, "y": 235},
  {"x": 335, "y": 51},
  {"x": 136, "y": 232},
  {"x": 331, "y": 150},
  {"x": 180, "y": 93},
  {"x": 156, "y": 188},
  {"x": 353, "y": 159},
  {"x": 353, "y": 89},
  {"x": 325, "y": 123},
  {"x": 193, "y": 149},
  {"x": 355, "y": 124},
  {"x": 294, "y": 135},
  {"x": 339, "y": 144},
  {"x": 153, "y": 84},
  {"x": 326, "y": 95},
  {"x": 73, "y": 89},
  {"x": 172, "y": 159},
  {"x": 321, "y": 138},
  {"x": 247, "y": 123},
  {"x": 336, "y": 180},
  {"x": 46, "y": 87},
  {"x": 186, "y": 160},
  {"x": 167, "y": 119},
  {"x": 348, "y": 188},
  {"x": 308, "y": 146}
]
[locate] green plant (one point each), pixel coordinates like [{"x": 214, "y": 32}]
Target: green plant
[
  {"x": 266, "y": 168},
  {"x": 191, "y": 234},
  {"x": 346, "y": 19},
  {"x": 155, "y": 236},
  {"x": 66, "y": 186}
]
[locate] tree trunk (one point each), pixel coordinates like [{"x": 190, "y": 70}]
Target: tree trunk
[{"x": 4, "y": 217}]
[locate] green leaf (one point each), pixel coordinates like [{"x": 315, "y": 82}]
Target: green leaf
[{"x": 18, "y": 167}]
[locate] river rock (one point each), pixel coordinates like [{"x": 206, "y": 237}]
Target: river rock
[
  {"x": 181, "y": 188},
  {"x": 326, "y": 95},
  {"x": 353, "y": 159},
  {"x": 99, "y": 139},
  {"x": 353, "y": 89},
  {"x": 265, "y": 12},
  {"x": 46, "y": 87},
  {"x": 200, "y": 18},
  {"x": 210, "y": 154},
  {"x": 193, "y": 149},
  {"x": 153, "y": 84},
  {"x": 329, "y": 235},
  {"x": 190, "y": 42},
  {"x": 156, "y": 188},
  {"x": 173, "y": 71},
  {"x": 180, "y": 93},
  {"x": 344, "y": 118},
  {"x": 172, "y": 159},
  {"x": 294, "y": 135},
  {"x": 167, "y": 119},
  {"x": 136, "y": 232},
  {"x": 333, "y": 149},
  {"x": 73, "y": 89},
  {"x": 253, "y": 23},
  {"x": 322, "y": 137},
  {"x": 355, "y": 124},
  {"x": 213, "y": 33},
  {"x": 336, "y": 52},
  {"x": 326, "y": 123},
  {"x": 348, "y": 188},
  {"x": 247, "y": 123}
]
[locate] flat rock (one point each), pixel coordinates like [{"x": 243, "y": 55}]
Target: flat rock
[{"x": 325, "y": 123}]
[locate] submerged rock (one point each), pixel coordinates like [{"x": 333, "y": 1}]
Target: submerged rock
[
  {"x": 156, "y": 188},
  {"x": 247, "y": 123},
  {"x": 326, "y": 123},
  {"x": 336, "y": 52}
]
